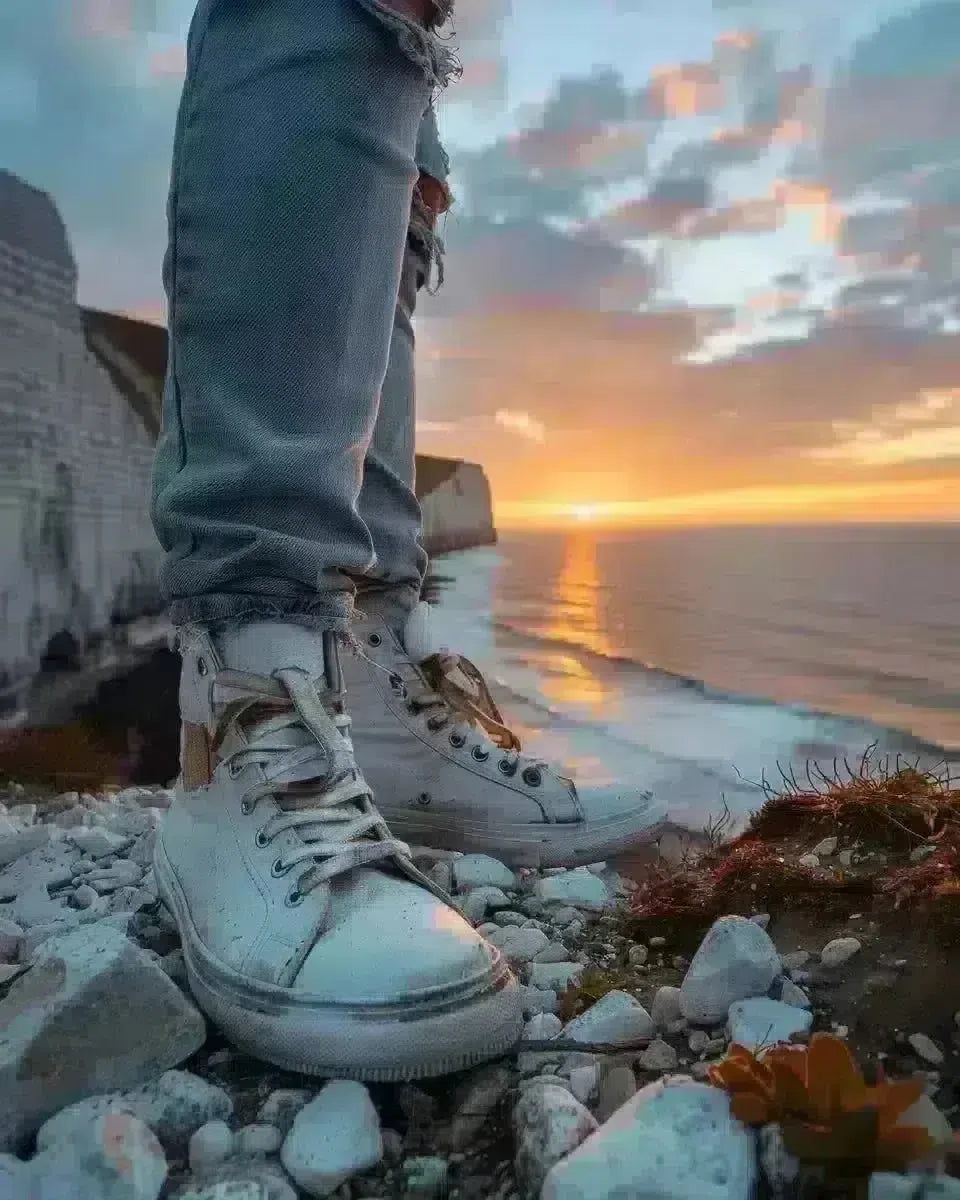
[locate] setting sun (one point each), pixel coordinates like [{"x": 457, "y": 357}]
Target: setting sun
[{"x": 585, "y": 512}]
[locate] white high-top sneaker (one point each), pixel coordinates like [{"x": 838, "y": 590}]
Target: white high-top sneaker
[
  {"x": 309, "y": 936},
  {"x": 450, "y": 774}
]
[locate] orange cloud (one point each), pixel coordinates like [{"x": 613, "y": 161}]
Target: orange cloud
[
  {"x": 817, "y": 199},
  {"x": 686, "y": 90}
]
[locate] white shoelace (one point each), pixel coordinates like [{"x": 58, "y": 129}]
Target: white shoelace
[{"x": 307, "y": 758}]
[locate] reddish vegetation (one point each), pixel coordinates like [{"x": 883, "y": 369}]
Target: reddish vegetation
[{"x": 886, "y": 816}]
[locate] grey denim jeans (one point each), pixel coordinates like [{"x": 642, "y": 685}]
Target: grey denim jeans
[{"x": 298, "y": 239}]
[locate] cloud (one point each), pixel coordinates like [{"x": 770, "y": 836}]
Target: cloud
[
  {"x": 923, "y": 430},
  {"x": 510, "y": 265},
  {"x": 521, "y": 423}
]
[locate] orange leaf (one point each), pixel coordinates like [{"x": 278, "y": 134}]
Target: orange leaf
[
  {"x": 750, "y": 1108},
  {"x": 735, "y": 1078},
  {"x": 834, "y": 1083},
  {"x": 789, "y": 1089},
  {"x": 891, "y": 1100},
  {"x": 900, "y": 1147}
]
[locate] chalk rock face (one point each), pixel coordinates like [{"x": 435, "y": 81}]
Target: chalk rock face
[
  {"x": 675, "y": 1140},
  {"x": 93, "y": 1013},
  {"x": 735, "y": 960}
]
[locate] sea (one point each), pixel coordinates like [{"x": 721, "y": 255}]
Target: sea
[{"x": 713, "y": 666}]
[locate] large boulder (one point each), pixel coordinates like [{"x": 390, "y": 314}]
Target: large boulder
[{"x": 93, "y": 1013}]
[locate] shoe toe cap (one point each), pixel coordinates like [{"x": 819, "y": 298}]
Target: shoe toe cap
[{"x": 389, "y": 939}]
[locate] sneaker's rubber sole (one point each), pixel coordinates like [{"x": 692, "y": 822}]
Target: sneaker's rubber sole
[
  {"x": 448, "y": 1030},
  {"x": 527, "y": 845}
]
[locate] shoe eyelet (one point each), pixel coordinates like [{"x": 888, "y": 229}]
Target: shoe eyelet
[
  {"x": 480, "y": 755},
  {"x": 234, "y": 769},
  {"x": 424, "y": 799},
  {"x": 457, "y": 740},
  {"x": 178, "y": 642},
  {"x": 261, "y": 839},
  {"x": 294, "y": 897},
  {"x": 246, "y": 807},
  {"x": 201, "y": 666},
  {"x": 278, "y": 868},
  {"x": 532, "y": 777},
  {"x": 375, "y": 639},
  {"x": 506, "y": 767}
]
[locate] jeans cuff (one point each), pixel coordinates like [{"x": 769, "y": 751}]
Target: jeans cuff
[{"x": 314, "y": 612}]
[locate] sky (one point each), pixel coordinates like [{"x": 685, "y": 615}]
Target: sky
[{"x": 702, "y": 263}]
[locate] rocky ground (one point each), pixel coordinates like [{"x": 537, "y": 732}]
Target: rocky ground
[{"x": 113, "y": 1087}]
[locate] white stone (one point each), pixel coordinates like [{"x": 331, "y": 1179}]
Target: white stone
[
  {"x": 554, "y": 976},
  {"x": 478, "y": 902},
  {"x": 541, "y": 1027},
  {"x": 583, "y": 1081},
  {"x": 637, "y": 956},
  {"x": 926, "y": 1048},
  {"x": 827, "y": 847},
  {"x": 97, "y": 842},
  {"x": 618, "y": 1084},
  {"x": 839, "y": 951},
  {"x": 480, "y": 870},
  {"x": 333, "y": 1137},
  {"x": 227, "y": 1189},
  {"x": 666, "y": 1006},
  {"x": 554, "y": 952},
  {"x": 520, "y": 946},
  {"x": 258, "y": 1139},
  {"x": 112, "y": 1157},
  {"x": 577, "y": 888},
  {"x": 790, "y": 993},
  {"x": 659, "y": 1056},
  {"x": 795, "y": 960},
  {"x": 174, "y": 1105},
  {"x": 211, "y": 1144},
  {"x": 616, "y": 1018},
  {"x": 735, "y": 960},
  {"x": 549, "y": 1123},
  {"x": 282, "y": 1105},
  {"x": 761, "y": 919},
  {"x": 779, "y": 1166},
  {"x": 93, "y": 1013},
  {"x": 11, "y": 939},
  {"x": 675, "y": 1140},
  {"x": 538, "y": 1000},
  {"x": 759, "y": 1021},
  {"x": 22, "y": 841},
  {"x": 811, "y": 861}
]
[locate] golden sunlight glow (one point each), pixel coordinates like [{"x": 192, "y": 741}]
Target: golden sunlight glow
[{"x": 924, "y": 499}]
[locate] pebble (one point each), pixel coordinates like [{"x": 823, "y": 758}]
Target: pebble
[
  {"x": 811, "y": 861},
  {"x": 113, "y": 1157},
  {"x": 735, "y": 960},
  {"x": 333, "y": 1137},
  {"x": 827, "y": 847},
  {"x": 281, "y": 1106},
  {"x": 96, "y": 842},
  {"x": 578, "y": 889},
  {"x": 542, "y": 1026},
  {"x": 759, "y": 1021},
  {"x": 481, "y": 900},
  {"x": 426, "y": 1178},
  {"x": 538, "y": 1000},
  {"x": 583, "y": 1081},
  {"x": 616, "y": 1018},
  {"x": 509, "y": 916},
  {"x": 211, "y": 1144},
  {"x": 258, "y": 1138},
  {"x": 554, "y": 952},
  {"x": 554, "y": 977},
  {"x": 791, "y": 994},
  {"x": 618, "y": 1084},
  {"x": 480, "y": 870},
  {"x": 11, "y": 939},
  {"x": 84, "y": 896},
  {"x": 141, "y": 1024},
  {"x": 659, "y": 1056},
  {"x": 698, "y": 1041},
  {"x": 795, "y": 960},
  {"x": 549, "y": 1123},
  {"x": 520, "y": 946},
  {"x": 839, "y": 951},
  {"x": 926, "y": 1048},
  {"x": 677, "y": 1136},
  {"x": 666, "y": 1006},
  {"x": 637, "y": 956}
]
